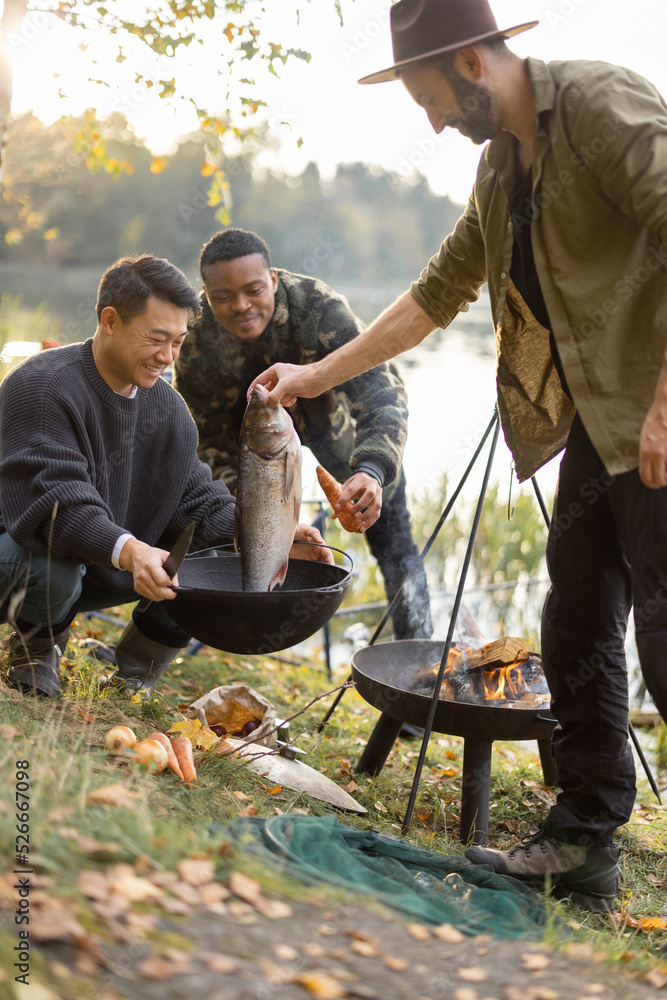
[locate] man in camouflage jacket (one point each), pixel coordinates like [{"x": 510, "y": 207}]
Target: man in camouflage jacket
[{"x": 254, "y": 315}]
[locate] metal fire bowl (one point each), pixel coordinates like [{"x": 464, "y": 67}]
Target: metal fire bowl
[
  {"x": 383, "y": 674},
  {"x": 211, "y": 606}
]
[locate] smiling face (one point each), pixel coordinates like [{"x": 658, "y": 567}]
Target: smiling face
[
  {"x": 137, "y": 351},
  {"x": 453, "y": 102},
  {"x": 241, "y": 294}
]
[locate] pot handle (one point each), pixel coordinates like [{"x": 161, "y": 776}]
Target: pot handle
[{"x": 341, "y": 552}]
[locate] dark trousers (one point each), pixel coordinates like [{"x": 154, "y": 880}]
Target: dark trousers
[
  {"x": 390, "y": 541},
  {"x": 607, "y": 550}
]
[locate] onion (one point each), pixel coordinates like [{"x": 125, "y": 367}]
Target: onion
[
  {"x": 151, "y": 754},
  {"x": 120, "y": 738}
]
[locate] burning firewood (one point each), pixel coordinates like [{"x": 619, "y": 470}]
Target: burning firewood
[{"x": 499, "y": 653}]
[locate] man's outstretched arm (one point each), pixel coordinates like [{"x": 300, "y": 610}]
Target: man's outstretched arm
[{"x": 400, "y": 327}]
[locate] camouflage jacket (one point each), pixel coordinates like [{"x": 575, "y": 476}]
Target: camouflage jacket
[{"x": 365, "y": 418}]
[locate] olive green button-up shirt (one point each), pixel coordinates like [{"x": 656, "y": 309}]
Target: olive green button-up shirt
[{"x": 599, "y": 234}]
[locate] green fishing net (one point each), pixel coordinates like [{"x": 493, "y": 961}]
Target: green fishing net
[{"x": 425, "y": 885}]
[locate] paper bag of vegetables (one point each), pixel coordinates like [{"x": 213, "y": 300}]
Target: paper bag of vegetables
[{"x": 236, "y": 710}]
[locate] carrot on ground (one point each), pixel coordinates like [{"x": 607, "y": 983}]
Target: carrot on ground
[
  {"x": 332, "y": 491},
  {"x": 173, "y": 760},
  {"x": 183, "y": 750}
]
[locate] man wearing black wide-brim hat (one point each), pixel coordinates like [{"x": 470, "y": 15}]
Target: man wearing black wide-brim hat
[{"x": 567, "y": 223}]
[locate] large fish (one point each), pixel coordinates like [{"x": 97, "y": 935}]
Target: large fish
[{"x": 268, "y": 494}]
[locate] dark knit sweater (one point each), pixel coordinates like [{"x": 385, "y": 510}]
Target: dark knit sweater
[{"x": 104, "y": 463}]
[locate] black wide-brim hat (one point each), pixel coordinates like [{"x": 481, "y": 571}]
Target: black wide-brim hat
[{"x": 424, "y": 28}]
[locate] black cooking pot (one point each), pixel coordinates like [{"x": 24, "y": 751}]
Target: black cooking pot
[
  {"x": 383, "y": 674},
  {"x": 212, "y": 607}
]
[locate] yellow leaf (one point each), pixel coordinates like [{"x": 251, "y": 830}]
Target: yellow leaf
[
  {"x": 274, "y": 790},
  {"x": 449, "y": 772},
  {"x": 13, "y": 236},
  {"x": 187, "y": 727},
  {"x": 651, "y": 924},
  {"x": 207, "y": 169},
  {"x": 205, "y": 738},
  {"x": 322, "y": 987},
  {"x": 158, "y": 163},
  {"x": 52, "y": 234}
]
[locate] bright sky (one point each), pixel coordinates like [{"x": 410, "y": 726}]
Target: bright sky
[{"x": 321, "y": 102}]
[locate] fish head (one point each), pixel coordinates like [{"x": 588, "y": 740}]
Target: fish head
[{"x": 266, "y": 430}]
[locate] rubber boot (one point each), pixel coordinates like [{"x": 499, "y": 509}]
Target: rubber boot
[
  {"x": 34, "y": 663},
  {"x": 139, "y": 662},
  {"x": 653, "y": 659}
]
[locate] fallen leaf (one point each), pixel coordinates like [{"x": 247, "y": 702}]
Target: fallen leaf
[
  {"x": 247, "y": 811},
  {"x": 7, "y": 731},
  {"x": 187, "y": 727},
  {"x": 321, "y": 986},
  {"x": 535, "y": 961},
  {"x": 445, "y": 932},
  {"x": 51, "y": 920},
  {"x": 285, "y": 952},
  {"x": 93, "y": 883},
  {"x": 449, "y": 772},
  {"x": 139, "y": 923},
  {"x": 465, "y": 993},
  {"x": 313, "y": 949},
  {"x": 652, "y": 878},
  {"x": 176, "y": 907},
  {"x": 276, "y": 974},
  {"x": 205, "y": 738},
  {"x": 157, "y": 968},
  {"x": 472, "y": 974},
  {"x": 86, "y": 716},
  {"x": 651, "y": 924},
  {"x": 594, "y": 989},
  {"x": 244, "y": 887},
  {"x": 178, "y": 957},
  {"x": 214, "y": 892},
  {"x": 657, "y": 977},
  {"x": 218, "y": 963},
  {"x": 196, "y": 871},
  {"x": 113, "y": 907},
  {"x": 242, "y": 796},
  {"x": 420, "y": 932},
  {"x": 380, "y": 807},
  {"x": 274, "y": 790},
  {"x": 366, "y": 948},
  {"x": 395, "y": 963},
  {"x": 123, "y": 880},
  {"x": 273, "y": 908},
  {"x": 189, "y": 894},
  {"x": 112, "y": 795}
]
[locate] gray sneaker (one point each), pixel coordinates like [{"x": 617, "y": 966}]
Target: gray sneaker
[{"x": 588, "y": 875}]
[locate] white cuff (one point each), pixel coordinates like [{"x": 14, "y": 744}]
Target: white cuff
[{"x": 120, "y": 542}]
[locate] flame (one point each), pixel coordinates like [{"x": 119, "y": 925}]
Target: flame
[{"x": 500, "y": 683}]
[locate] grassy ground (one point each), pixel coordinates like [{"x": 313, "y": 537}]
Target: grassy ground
[{"x": 161, "y": 823}]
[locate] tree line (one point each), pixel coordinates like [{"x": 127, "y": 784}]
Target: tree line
[{"x": 363, "y": 228}]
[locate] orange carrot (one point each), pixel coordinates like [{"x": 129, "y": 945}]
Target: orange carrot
[
  {"x": 332, "y": 491},
  {"x": 173, "y": 760},
  {"x": 183, "y": 750}
]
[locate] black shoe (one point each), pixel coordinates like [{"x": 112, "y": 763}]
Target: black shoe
[
  {"x": 588, "y": 875},
  {"x": 34, "y": 663}
]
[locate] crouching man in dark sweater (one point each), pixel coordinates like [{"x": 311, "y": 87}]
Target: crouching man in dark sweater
[{"x": 99, "y": 475}]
